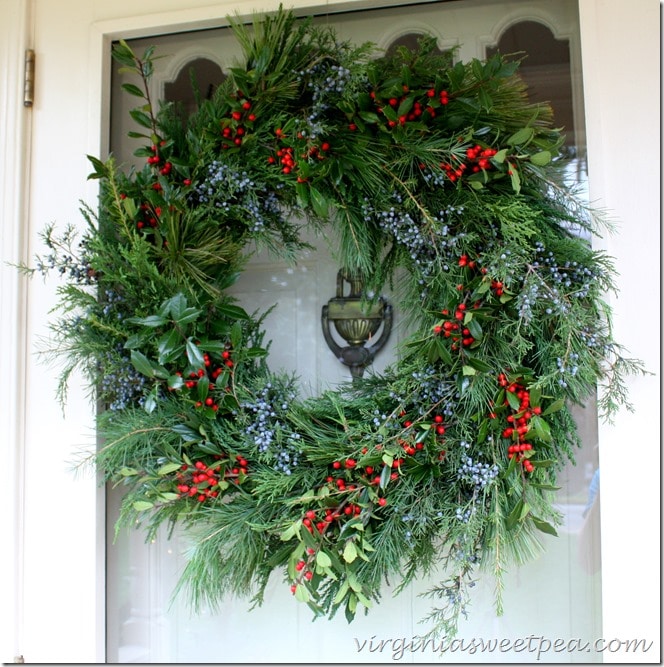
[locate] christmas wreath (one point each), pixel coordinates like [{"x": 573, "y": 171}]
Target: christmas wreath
[{"x": 440, "y": 169}]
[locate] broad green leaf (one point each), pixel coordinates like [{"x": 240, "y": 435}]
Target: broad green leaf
[
  {"x": 535, "y": 396},
  {"x": 319, "y": 203},
  {"x": 541, "y": 159},
  {"x": 128, "y": 472},
  {"x": 353, "y": 582},
  {"x": 500, "y": 156},
  {"x": 521, "y": 137},
  {"x": 515, "y": 514},
  {"x": 350, "y": 551},
  {"x": 169, "y": 346},
  {"x": 150, "y": 402},
  {"x": 133, "y": 90},
  {"x": 513, "y": 400},
  {"x": 516, "y": 186},
  {"x": 302, "y": 191},
  {"x": 341, "y": 593},
  {"x": 141, "y": 363},
  {"x": 406, "y": 106},
  {"x": 479, "y": 365},
  {"x": 175, "y": 382},
  {"x": 351, "y": 607},
  {"x": 544, "y": 463},
  {"x": 202, "y": 389},
  {"x": 475, "y": 329},
  {"x": 385, "y": 476},
  {"x": 290, "y": 532},
  {"x": 323, "y": 559},
  {"x": 554, "y": 407},
  {"x": 188, "y": 315},
  {"x": 301, "y": 593},
  {"x": 544, "y": 526},
  {"x": 129, "y": 205},
  {"x": 236, "y": 335},
  {"x": 233, "y": 312},
  {"x": 142, "y": 505},
  {"x": 149, "y": 321},
  {"x": 363, "y": 600},
  {"x": 542, "y": 429},
  {"x": 168, "y": 468},
  {"x": 141, "y": 118},
  {"x": 194, "y": 354},
  {"x": 469, "y": 370},
  {"x": 545, "y": 487}
]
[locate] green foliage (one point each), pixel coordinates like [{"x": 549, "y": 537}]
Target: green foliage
[{"x": 438, "y": 177}]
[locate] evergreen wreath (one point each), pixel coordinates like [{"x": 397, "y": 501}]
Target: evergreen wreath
[{"x": 441, "y": 169}]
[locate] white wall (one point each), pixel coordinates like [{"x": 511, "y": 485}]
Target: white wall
[
  {"x": 621, "y": 72},
  {"x": 58, "y": 573}
]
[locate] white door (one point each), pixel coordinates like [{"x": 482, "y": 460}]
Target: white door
[{"x": 555, "y": 597}]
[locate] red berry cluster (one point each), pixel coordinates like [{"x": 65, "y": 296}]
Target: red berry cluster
[
  {"x": 518, "y": 418},
  {"x": 284, "y": 156},
  {"x": 345, "y": 482},
  {"x": 234, "y": 127},
  {"x": 205, "y": 481},
  {"x": 303, "y": 568},
  {"x": 416, "y": 112},
  {"x": 478, "y": 159},
  {"x": 149, "y": 216},
  {"x": 208, "y": 375},
  {"x": 164, "y": 166},
  {"x": 452, "y": 327}
]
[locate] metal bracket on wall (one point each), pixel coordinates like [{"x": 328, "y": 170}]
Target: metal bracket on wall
[{"x": 29, "y": 80}]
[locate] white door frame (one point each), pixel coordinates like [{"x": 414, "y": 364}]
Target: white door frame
[{"x": 59, "y": 528}]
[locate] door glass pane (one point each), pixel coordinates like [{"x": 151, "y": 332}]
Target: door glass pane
[{"x": 555, "y": 597}]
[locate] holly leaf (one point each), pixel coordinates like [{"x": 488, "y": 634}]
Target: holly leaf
[
  {"x": 513, "y": 400},
  {"x": 475, "y": 329},
  {"x": 149, "y": 321},
  {"x": 194, "y": 354},
  {"x": 141, "y": 363},
  {"x": 554, "y": 407},
  {"x": 542, "y": 429},
  {"x": 141, "y": 118},
  {"x": 169, "y": 346},
  {"x": 319, "y": 203}
]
